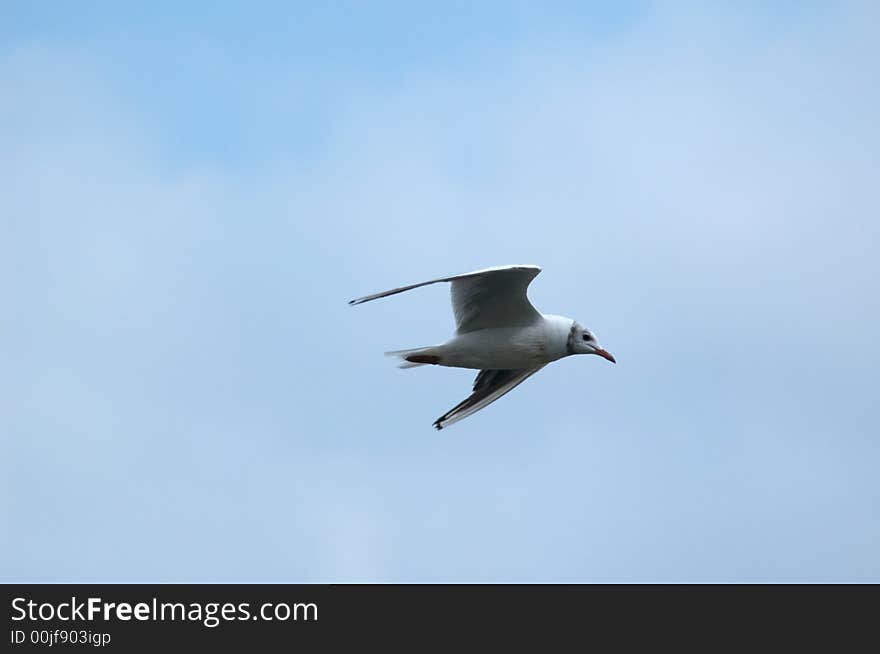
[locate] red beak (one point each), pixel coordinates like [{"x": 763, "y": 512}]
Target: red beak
[{"x": 605, "y": 354}]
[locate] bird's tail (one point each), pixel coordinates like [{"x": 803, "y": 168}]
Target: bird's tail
[{"x": 420, "y": 356}]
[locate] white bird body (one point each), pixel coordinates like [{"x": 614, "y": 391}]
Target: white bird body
[
  {"x": 508, "y": 348},
  {"x": 498, "y": 332}
]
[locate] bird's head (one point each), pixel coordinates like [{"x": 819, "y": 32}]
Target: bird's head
[{"x": 583, "y": 341}]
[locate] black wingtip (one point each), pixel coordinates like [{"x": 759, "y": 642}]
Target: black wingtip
[{"x": 437, "y": 425}]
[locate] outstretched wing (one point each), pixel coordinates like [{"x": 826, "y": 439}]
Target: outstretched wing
[
  {"x": 488, "y": 387},
  {"x": 495, "y": 297}
]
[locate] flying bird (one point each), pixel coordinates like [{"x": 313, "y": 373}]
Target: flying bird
[{"x": 499, "y": 333}]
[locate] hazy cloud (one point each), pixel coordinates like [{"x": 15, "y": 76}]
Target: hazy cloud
[{"x": 188, "y": 397}]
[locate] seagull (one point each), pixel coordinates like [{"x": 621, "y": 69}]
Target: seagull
[{"x": 498, "y": 332}]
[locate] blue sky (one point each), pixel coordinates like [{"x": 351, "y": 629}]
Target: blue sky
[{"x": 191, "y": 195}]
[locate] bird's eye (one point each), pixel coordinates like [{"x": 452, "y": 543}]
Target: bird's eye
[{"x": 587, "y": 337}]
